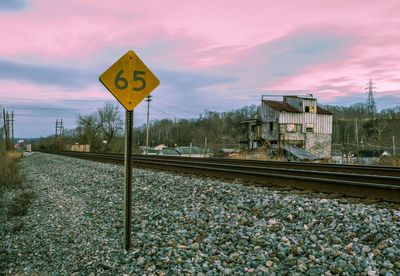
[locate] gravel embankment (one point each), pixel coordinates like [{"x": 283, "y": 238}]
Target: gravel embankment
[{"x": 183, "y": 225}]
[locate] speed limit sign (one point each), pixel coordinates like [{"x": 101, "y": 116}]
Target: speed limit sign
[{"x": 129, "y": 80}]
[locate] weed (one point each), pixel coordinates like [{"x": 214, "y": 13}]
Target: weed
[
  {"x": 20, "y": 203},
  {"x": 11, "y": 182},
  {"x": 9, "y": 177}
]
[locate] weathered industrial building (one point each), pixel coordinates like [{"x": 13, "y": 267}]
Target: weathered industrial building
[{"x": 296, "y": 125}]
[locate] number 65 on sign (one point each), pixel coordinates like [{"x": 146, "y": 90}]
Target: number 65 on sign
[{"x": 129, "y": 80}]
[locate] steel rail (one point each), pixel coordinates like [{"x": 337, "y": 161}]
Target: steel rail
[
  {"x": 386, "y": 187},
  {"x": 357, "y": 169}
]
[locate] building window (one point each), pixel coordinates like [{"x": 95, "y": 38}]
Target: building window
[
  {"x": 307, "y": 109},
  {"x": 274, "y": 142},
  {"x": 291, "y": 128},
  {"x": 271, "y": 126},
  {"x": 309, "y": 128}
]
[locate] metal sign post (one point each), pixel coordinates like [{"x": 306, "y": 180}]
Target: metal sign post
[
  {"x": 128, "y": 179},
  {"x": 130, "y": 81}
]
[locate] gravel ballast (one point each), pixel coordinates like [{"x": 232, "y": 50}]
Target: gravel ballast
[{"x": 187, "y": 225}]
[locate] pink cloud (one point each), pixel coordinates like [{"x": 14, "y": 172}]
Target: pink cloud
[
  {"x": 80, "y": 29},
  {"x": 246, "y": 41}
]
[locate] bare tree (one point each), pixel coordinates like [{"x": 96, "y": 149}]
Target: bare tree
[
  {"x": 111, "y": 121},
  {"x": 379, "y": 128},
  {"x": 103, "y": 124},
  {"x": 89, "y": 127}
]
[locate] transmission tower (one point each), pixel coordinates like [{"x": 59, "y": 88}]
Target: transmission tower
[
  {"x": 371, "y": 106},
  {"x": 58, "y": 137}
]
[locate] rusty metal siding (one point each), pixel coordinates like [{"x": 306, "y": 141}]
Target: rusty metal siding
[{"x": 268, "y": 114}]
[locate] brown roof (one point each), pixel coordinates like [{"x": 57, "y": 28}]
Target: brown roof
[
  {"x": 321, "y": 110},
  {"x": 281, "y": 106}
]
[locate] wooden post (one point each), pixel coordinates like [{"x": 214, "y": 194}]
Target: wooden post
[
  {"x": 12, "y": 129},
  {"x": 5, "y": 128}
]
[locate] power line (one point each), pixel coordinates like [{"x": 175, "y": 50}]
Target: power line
[
  {"x": 48, "y": 108},
  {"x": 51, "y": 116},
  {"x": 174, "y": 115},
  {"x": 178, "y": 107},
  {"x": 155, "y": 109},
  {"x": 55, "y": 99},
  {"x": 91, "y": 108}
]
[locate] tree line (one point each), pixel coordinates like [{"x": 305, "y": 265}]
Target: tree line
[
  {"x": 355, "y": 127},
  {"x": 103, "y": 129}
]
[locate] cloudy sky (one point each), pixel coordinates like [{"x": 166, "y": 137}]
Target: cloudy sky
[{"x": 208, "y": 55}]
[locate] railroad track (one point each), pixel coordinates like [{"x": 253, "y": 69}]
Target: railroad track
[{"x": 361, "y": 181}]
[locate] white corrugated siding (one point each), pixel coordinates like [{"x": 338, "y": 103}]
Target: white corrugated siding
[
  {"x": 291, "y": 118},
  {"x": 322, "y": 123},
  {"x": 297, "y": 118}
]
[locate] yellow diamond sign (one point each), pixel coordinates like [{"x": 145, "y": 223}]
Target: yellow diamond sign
[{"x": 129, "y": 80}]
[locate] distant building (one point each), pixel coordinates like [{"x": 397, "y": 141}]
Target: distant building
[
  {"x": 292, "y": 124},
  {"x": 78, "y": 147}
]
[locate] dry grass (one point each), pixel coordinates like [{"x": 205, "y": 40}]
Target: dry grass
[
  {"x": 12, "y": 184},
  {"x": 390, "y": 161},
  {"x": 9, "y": 177}
]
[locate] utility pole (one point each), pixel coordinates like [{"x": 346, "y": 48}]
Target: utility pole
[
  {"x": 347, "y": 149},
  {"x": 148, "y": 100},
  {"x": 358, "y": 150},
  {"x": 394, "y": 147},
  {"x": 61, "y": 131},
  {"x": 12, "y": 129},
  {"x": 8, "y": 131},
  {"x": 55, "y": 136},
  {"x": 205, "y": 146},
  {"x": 5, "y": 128},
  {"x": 356, "y": 134}
]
